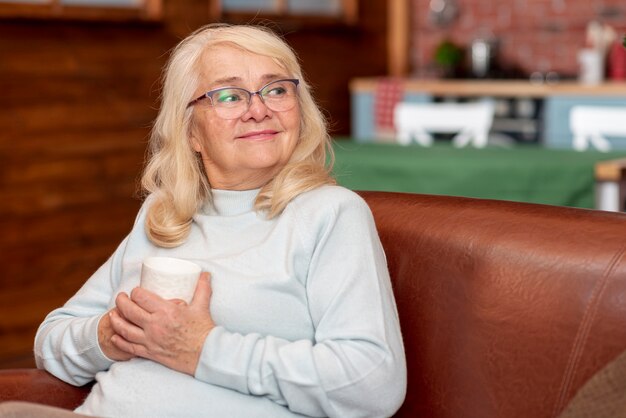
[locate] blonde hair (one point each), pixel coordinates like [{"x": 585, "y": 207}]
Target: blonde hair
[{"x": 174, "y": 175}]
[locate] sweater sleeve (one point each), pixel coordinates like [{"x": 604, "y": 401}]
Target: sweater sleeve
[
  {"x": 355, "y": 367},
  {"x": 66, "y": 343}
]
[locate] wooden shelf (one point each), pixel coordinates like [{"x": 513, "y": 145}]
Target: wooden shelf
[
  {"x": 611, "y": 170},
  {"x": 496, "y": 88}
]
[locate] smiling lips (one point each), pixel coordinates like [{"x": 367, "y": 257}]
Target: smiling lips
[{"x": 259, "y": 135}]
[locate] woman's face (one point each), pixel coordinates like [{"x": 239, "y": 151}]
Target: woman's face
[{"x": 246, "y": 152}]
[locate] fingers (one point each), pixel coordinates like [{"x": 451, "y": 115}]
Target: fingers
[
  {"x": 130, "y": 310},
  {"x": 125, "y": 329},
  {"x": 105, "y": 337},
  {"x": 126, "y": 342},
  {"x": 128, "y": 347},
  {"x": 146, "y": 299},
  {"x": 169, "y": 332},
  {"x": 202, "y": 294}
]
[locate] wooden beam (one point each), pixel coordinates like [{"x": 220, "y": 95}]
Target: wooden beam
[
  {"x": 350, "y": 11},
  {"x": 398, "y": 33},
  {"x": 215, "y": 10},
  {"x": 280, "y": 7},
  {"x": 153, "y": 9}
]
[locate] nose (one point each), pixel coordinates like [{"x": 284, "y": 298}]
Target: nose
[{"x": 257, "y": 109}]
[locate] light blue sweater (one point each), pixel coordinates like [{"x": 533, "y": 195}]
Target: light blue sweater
[{"x": 306, "y": 319}]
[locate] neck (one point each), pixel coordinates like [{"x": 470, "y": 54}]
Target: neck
[{"x": 252, "y": 179}]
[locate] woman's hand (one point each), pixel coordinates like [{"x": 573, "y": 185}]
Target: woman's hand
[
  {"x": 169, "y": 332},
  {"x": 105, "y": 333}
]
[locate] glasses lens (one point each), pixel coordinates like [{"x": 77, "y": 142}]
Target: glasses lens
[
  {"x": 280, "y": 95},
  {"x": 230, "y": 103}
]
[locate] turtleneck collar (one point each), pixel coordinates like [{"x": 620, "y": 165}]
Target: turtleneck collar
[{"x": 231, "y": 202}]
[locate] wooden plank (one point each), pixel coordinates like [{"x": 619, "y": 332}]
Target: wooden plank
[
  {"x": 76, "y": 90},
  {"x": 77, "y": 143},
  {"x": 611, "y": 170},
  {"x": 85, "y": 223},
  {"x": 398, "y": 33},
  {"x": 64, "y": 267},
  {"x": 496, "y": 88},
  {"x": 59, "y": 117},
  {"x": 17, "y": 173},
  {"x": 43, "y": 199},
  {"x": 25, "y": 303}
]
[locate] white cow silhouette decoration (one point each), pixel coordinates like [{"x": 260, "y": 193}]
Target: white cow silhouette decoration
[
  {"x": 471, "y": 121},
  {"x": 589, "y": 124}
]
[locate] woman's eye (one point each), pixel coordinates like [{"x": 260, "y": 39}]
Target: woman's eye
[
  {"x": 228, "y": 97},
  {"x": 276, "y": 91}
]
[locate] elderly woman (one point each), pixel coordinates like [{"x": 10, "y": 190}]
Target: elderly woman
[{"x": 295, "y": 314}]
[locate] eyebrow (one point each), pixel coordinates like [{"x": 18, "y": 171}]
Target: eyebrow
[{"x": 229, "y": 81}]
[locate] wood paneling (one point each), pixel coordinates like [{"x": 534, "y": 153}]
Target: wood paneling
[{"x": 77, "y": 104}]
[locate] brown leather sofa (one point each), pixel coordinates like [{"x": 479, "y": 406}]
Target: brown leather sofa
[{"x": 506, "y": 308}]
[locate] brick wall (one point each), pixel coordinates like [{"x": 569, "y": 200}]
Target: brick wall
[{"x": 533, "y": 35}]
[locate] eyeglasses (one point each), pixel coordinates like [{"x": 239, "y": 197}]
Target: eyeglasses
[{"x": 233, "y": 102}]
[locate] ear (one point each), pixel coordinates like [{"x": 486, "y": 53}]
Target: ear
[
  {"x": 193, "y": 138},
  {"x": 195, "y": 144}
]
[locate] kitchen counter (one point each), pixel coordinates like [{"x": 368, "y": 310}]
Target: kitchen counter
[
  {"x": 548, "y": 122},
  {"x": 496, "y": 88}
]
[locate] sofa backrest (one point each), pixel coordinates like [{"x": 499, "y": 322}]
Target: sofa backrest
[{"x": 506, "y": 308}]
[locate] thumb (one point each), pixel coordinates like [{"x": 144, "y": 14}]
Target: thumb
[{"x": 202, "y": 294}]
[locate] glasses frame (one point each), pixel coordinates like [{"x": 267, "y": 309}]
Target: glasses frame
[{"x": 209, "y": 93}]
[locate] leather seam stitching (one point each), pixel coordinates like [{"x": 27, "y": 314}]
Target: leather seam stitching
[{"x": 583, "y": 331}]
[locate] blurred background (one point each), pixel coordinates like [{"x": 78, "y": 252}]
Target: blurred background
[{"x": 79, "y": 88}]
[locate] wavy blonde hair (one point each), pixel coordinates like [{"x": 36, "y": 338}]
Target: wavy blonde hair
[{"x": 174, "y": 175}]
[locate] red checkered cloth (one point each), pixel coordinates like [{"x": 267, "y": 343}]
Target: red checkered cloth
[{"x": 389, "y": 91}]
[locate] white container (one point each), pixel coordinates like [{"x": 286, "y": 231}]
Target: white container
[
  {"x": 591, "y": 66},
  {"x": 170, "y": 278}
]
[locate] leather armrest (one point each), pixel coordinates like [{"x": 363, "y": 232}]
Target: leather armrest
[{"x": 39, "y": 386}]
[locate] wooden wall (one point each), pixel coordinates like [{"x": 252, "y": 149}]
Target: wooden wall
[{"x": 77, "y": 100}]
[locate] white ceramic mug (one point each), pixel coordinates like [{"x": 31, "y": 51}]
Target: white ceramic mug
[{"x": 170, "y": 278}]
